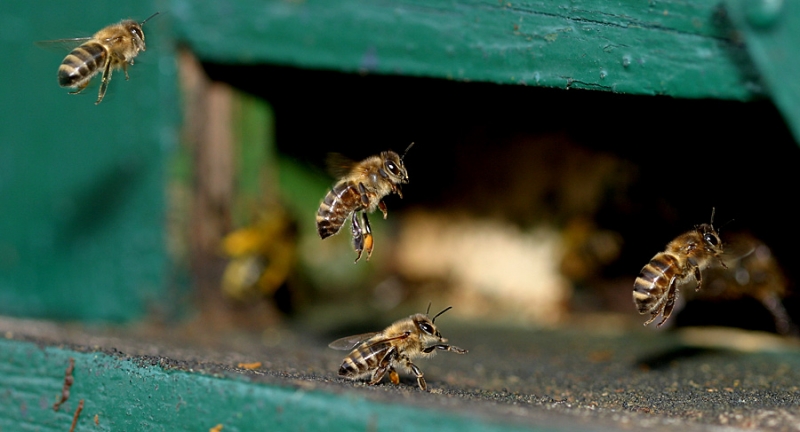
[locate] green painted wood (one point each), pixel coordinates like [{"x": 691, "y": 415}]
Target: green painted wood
[
  {"x": 771, "y": 30},
  {"x": 82, "y": 186},
  {"x": 134, "y": 394},
  {"x": 669, "y": 47}
]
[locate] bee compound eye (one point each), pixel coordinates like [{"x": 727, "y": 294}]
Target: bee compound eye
[
  {"x": 426, "y": 328},
  {"x": 710, "y": 239},
  {"x": 392, "y": 168}
]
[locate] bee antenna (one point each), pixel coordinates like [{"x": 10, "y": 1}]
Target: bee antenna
[
  {"x": 726, "y": 223},
  {"x": 148, "y": 18},
  {"x": 407, "y": 149},
  {"x": 427, "y": 312},
  {"x": 433, "y": 320},
  {"x": 713, "y": 209}
]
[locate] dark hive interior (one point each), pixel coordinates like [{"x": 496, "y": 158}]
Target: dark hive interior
[{"x": 644, "y": 168}]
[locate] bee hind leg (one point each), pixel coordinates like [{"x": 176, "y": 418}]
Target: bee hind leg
[
  {"x": 384, "y": 366},
  {"x": 377, "y": 376},
  {"x": 358, "y": 236},
  {"x": 104, "y": 80},
  {"x": 672, "y": 295},
  {"x": 368, "y": 240}
]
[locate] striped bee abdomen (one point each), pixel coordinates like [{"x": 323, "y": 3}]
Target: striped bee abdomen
[
  {"x": 363, "y": 359},
  {"x": 653, "y": 281},
  {"x": 337, "y": 205},
  {"x": 81, "y": 64}
]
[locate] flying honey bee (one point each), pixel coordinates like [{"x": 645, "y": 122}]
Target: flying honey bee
[
  {"x": 656, "y": 288},
  {"x": 113, "y": 47},
  {"x": 361, "y": 189},
  {"x": 405, "y": 339}
]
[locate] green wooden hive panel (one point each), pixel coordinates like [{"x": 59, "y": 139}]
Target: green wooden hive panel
[
  {"x": 82, "y": 186},
  {"x": 675, "y": 48}
]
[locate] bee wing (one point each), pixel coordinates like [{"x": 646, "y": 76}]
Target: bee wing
[
  {"x": 349, "y": 342},
  {"x": 338, "y": 165},
  {"x": 61, "y": 45},
  {"x": 738, "y": 246}
]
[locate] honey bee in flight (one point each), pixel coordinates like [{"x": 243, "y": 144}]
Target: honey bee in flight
[
  {"x": 378, "y": 353},
  {"x": 113, "y": 47},
  {"x": 656, "y": 288},
  {"x": 360, "y": 190}
]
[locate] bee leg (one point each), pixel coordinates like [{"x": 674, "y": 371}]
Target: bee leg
[
  {"x": 104, "y": 80},
  {"x": 415, "y": 370},
  {"x": 396, "y": 189},
  {"x": 653, "y": 316},
  {"x": 377, "y": 376},
  {"x": 443, "y": 347},
  {"x": 670, "y": 304},
  {"x": 125, "y": 69},
  {"x": 81, "y": 87},
  {"x": 385, "y": 365},
  {"x": 368, "y": 241},
  {"x": 658, "y": 308},
  {"x": 382, "y": 207},
  {"x": 698, "y": 278},
  {"x": 358, "y": 237}
]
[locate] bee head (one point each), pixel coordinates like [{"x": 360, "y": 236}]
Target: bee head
[
  {"x": 137, "y": 35},
  {"x": 136, "y": 32},
  {"x": 711, "y": 239},
  {"x": 427, "y": 326},
  {"x": 393, "y": 168}
]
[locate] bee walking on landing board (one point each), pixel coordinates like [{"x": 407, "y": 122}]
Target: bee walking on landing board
[
  {"x": 656, "y": 288},
  {"x": 113, "y": 47},
  {"x": 360, "y": 190},
  {"x": 377, "y": 353}
]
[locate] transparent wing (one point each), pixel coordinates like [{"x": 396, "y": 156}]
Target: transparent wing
[
  {"x": 338, "y": 165},
  {"x": 349, "y": 342},
  {"x": 61, "y": 45},
  {"x": 738, "y": 245}
]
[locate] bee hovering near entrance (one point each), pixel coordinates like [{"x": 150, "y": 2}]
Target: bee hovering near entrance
[
  {"x": 360, "y": 190},
  {"x": 377, "y": 353},
  {"x": 656, "y": 288},
  {"x": 113, "y": 47}
]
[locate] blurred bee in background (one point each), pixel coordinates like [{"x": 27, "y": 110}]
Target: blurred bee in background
[
  {"x": 757, "y": 275},
  {"x": 656, "y": 288},
  {"x": 113, "y": 47},
  {"x": 588, "y": 248},
  {"x": 361, "y": 189},
  {"x": 263, "y": 256},
  {"x": 378, "y": 353}
]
